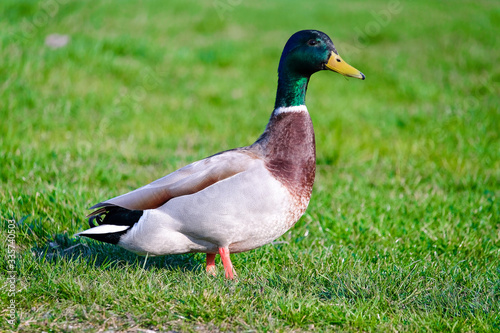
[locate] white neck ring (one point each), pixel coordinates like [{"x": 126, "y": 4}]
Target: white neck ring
[{"x": 288, "y": 109}]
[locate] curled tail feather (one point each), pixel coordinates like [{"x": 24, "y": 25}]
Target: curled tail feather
[{"x": 112, "y": 223}]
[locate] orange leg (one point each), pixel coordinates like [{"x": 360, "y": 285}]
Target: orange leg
[
  {"x": 226, "y": 261},
  {"x": 211, "y": 263}
]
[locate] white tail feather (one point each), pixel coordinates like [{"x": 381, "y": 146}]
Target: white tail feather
[{"x": 103, "y": 229}]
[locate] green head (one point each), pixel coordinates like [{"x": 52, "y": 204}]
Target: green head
[{"x": 305, "y": 53}]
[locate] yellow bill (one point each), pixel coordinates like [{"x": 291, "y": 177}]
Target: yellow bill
[{"x": 336, "y": 64}]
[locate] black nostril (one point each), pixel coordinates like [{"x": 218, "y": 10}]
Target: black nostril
[{"x": 338, "y": 60}]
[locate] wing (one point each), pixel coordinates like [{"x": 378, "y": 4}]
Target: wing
[{"x": 187, "y": 180}]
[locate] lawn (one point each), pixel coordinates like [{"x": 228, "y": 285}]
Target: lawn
[{"x": 402, "y": 232}]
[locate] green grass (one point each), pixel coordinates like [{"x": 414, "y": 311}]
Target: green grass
[{"x": 403, "y": 229}]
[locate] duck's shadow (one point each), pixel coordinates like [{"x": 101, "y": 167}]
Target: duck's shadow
[{"x": 107, "y": 256}]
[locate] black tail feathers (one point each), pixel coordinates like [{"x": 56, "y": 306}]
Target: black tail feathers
[{"x": 113, "y": 216}]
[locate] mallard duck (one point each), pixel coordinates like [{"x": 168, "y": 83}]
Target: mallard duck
[{"x": 239, "y": 199}]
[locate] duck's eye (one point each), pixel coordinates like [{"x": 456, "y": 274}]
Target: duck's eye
[{"x": 312, "y": 42}]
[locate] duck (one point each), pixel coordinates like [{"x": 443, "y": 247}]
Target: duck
[{"x": 239, "y": 199}]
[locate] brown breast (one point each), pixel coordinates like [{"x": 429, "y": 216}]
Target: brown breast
[{"x": 289, "y": 149}]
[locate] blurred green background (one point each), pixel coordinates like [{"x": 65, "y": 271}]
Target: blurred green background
[{"x": 403, "y": 228}]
